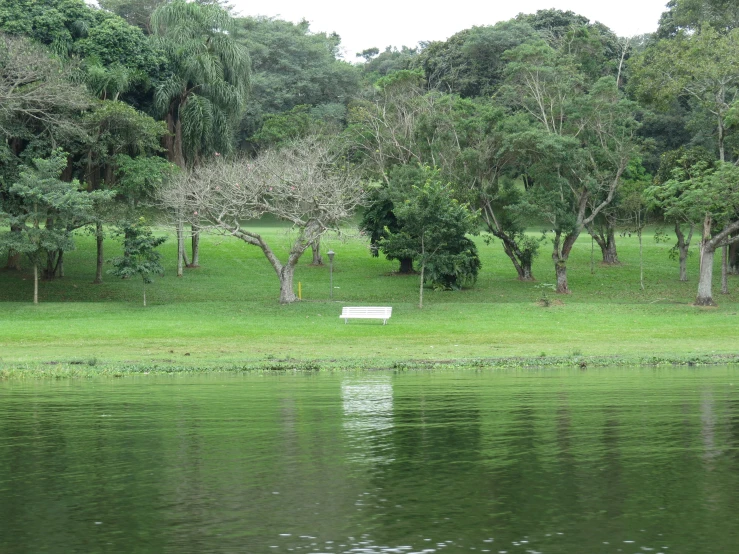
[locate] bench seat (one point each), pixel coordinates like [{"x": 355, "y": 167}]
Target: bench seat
[{"x": 366, "y": 312}]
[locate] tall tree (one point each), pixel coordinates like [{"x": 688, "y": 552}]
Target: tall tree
[
  {"x": 40, "y": 109},
  {"x": 665, "y": 197},
  {"x": 697, "y": 68},
  {"x": 116, "y": 129},
  {"x": 205, "y": 95},
  {"x": 584, "y": 138},
  {"x": 471, "y": 62}
]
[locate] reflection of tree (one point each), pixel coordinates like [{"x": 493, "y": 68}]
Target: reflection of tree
[
  {"x": 430, "y": 484},
  {"x": 165, "y": 465},
  {"x": 67, "y": 461}
]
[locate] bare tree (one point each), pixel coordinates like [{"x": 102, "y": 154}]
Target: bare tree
[{"x": 305, "y": 183}]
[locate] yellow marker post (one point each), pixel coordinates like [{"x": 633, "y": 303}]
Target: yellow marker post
[{"x": 300, "y": 290}]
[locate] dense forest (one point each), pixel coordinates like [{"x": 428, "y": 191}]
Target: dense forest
[{"x": 176, "y": 113}]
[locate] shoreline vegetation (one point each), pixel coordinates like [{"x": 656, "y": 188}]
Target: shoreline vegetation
[
  {"x": 225, "y": 315},
  {"x": 94, "y": 368}
]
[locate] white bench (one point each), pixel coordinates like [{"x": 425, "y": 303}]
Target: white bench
[{"x": 366, "y": 312}]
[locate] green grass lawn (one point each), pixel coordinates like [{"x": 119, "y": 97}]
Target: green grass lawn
[{"x": 227, "y": 311}]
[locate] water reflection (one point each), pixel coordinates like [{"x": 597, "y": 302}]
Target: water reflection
[
  {"x": 368, "y": 417},
  {"x": 550, "y": 462}
]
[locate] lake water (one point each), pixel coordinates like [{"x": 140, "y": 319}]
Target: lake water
[{"x": 596, "y": 461}]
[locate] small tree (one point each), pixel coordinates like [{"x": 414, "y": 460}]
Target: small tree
[
  {"x": 432, "y": 229},
  {"x": 635, "y": 209},
  {"x": 139, "y": 254}
]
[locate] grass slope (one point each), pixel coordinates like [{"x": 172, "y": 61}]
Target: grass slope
[{"x": 226, "y": 312}]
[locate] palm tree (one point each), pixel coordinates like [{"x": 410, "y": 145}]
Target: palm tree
[{"x": 205, "y": 94}]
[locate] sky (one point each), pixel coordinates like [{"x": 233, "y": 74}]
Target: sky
[{"x": 382, "y": 23}]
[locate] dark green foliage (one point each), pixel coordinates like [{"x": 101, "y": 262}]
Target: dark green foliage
[
  {"x": 682, "y": 159},
  {"x": 137, "y": 179},
  {"x": 471, "y": 62},
  {"x": 368, "y": 53},
  {"x": 594, "y": 47},
  {"x": 43, "y": 210},
  {"x": 454, "y": 267},
  {"x": 135, "y": 12},
  {"x": 40, "y": 105},
  {"x": 113, "y": 41},
  {"x": 692, "y": 15},
  {"x": 293, "y": 67},
  {"x": 285, "y": 126},
  {"x": 389, "y": 61},
  {"x": 378, "y": 219},
  {"x": 432, "y": 229},
  {"x": 121, "y": 62},
  {"x": 55, "y": 23},
  {"x": 553, "y": 24}
]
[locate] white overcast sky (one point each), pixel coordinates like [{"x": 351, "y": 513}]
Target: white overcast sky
[{"x": 381, "y": 23}]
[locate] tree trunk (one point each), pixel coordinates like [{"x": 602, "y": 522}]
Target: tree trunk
[
  {"x": 705, "y": 282},
  {"x": 287, "y": 294},
  {"x": 420, "y": 292},
  {"x": 610, "y": 256},
  {"x": 521, "y": 263},
  {"x": 54, "y": 265},
  {"x": 35, "y": 282},
  {"x": 560, "y": 256},
  {"x": 526, "y": 274},
  {"x": 100, "y": 259},
  {"x": 683, "y": 248},
  {"x": 180, "y": 246},
  {"x": 641, "y": 260},
  {"x": 560, "y": 268},
  {"x": 607, "y": 243},
  {"x": 195, "y": 246},
  {"x": 406, "y": 266},
  {"x": 724, "y": 269},
  {"x": 14, "y": 258},
  {"x": 734, "y": 258},
  {"x": 144, "y": 294},
  {"x": 316, "y": 249}
]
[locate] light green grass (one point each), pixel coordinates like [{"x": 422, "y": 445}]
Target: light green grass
[{"x": 227, "y": 311}]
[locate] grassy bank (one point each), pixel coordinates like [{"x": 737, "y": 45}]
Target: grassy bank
[{"x": 225, "y": 314}]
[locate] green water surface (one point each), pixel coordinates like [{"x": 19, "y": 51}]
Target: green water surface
[{"x": 597, "y": 461}]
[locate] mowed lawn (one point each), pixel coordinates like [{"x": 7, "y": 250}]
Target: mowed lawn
[{"x": 227, "y": 311}]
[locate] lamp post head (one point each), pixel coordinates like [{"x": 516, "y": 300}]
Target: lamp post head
[{"x": 331, "y": 255}]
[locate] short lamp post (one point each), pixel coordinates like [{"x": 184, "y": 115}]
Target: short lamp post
[{"x": 331, "y": 255}]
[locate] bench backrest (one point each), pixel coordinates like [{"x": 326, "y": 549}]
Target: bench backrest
[{"x": 368, "y": 311}]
